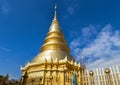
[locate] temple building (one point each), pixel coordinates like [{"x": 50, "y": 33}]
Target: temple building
[{"x": 54, "y": 65}]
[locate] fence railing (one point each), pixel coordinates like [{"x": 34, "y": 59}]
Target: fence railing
[{"x": 102, "y": 76}]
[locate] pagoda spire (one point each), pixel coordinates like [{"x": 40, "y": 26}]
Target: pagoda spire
[
  {"x": 83, "y": 60},
  {"x": 55, "y": 45},
  {"x": 55, "y": 14},
  {"x": 55, "y": 39},
  {"x": 55, "y": 24},
  {"x": 83, "y": 63}
]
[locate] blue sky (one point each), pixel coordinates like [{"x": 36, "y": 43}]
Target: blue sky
[{"x": 91, "y": 28}]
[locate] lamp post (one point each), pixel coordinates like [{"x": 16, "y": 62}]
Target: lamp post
[
  {"x": 91, "y": 73},
  {"x": 107, "y": 71}
]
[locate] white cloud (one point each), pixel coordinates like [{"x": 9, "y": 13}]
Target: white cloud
[
  {"x": 4, "y": 49},
  {"x": 89, "y": 30},
  {"x": 70, "y": 10},
  {"x": 75, "y": 43},
  {"x": 4, "y": 7},
  {"x": 103, "y": 51}
]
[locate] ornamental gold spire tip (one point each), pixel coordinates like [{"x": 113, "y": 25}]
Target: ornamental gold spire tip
[
  {"x": 55, "y": 15},
  {"x": 82, "y": 59}
]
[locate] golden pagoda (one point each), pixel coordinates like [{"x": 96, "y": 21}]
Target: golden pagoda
[{"x": 54, "y": 65}]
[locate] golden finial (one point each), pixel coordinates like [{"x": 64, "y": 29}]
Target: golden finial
[
  {"x": 91, "y": 73},
  {"x": 55, "y": 15},
  {"x": 107, "y": 70},
  {"x": 82, "y": 59}
]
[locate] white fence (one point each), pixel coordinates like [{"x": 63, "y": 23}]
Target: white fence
[{"x": 102, "y": 76}]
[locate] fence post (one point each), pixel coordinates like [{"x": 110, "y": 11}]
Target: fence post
[
  {"x": 91, "y": 73},
  {"x": 107, "y": 71}
]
